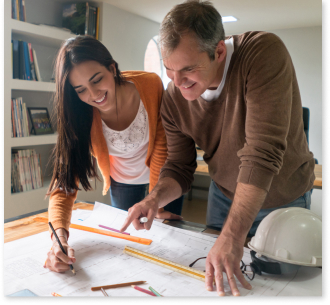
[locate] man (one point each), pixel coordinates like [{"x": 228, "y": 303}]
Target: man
[{"x": 238, "y": 100}]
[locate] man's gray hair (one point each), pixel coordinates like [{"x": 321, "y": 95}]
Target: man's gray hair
[{"x": 192, "y": 16}]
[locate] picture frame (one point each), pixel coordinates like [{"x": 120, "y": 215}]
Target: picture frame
[{"x": 40, "y": 121}]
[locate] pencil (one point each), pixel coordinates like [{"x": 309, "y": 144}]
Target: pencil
[
  {"x": 140, "y": 240},
  {"x": 143, "y": 290},
  {"x": 104, "y": 227},
  {"x": 103, "y": 291},
  {"x": 117, "y": 285},
  {"x": 58, "y": 240},
  {"x": 155, "y": 292},
  {"x": 54, "y": 294}
]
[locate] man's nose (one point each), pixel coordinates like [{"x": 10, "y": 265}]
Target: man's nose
[{"x": 177, "y": 79}]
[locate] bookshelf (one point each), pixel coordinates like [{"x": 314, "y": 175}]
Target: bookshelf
[{"x": 46, "y": 40}]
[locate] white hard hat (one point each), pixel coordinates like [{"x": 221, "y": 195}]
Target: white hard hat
[{"x": 290, "y": 235}]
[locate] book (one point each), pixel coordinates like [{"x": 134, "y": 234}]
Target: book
[
  {"x": 17, "y": 9},
  {"x": 36, "y": 66},
  {"x": 33, "y": 72},
  {"x": 15, "y": 59},
  {"x": 14, "y": 122},
  {"x": 22, "y": 10},
  {"x": 18, "y": 118},
  {"x": 27, "y": 61},
  {"x": 13, "y": 119},
  {"x": 25, "y": 121},
  {"x": 21, "y": 171},
  {"x": 22, "y": 74},
  {"x": 13, "y": 9}
]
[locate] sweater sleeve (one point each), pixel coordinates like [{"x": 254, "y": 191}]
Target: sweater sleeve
[
  {"x": 60, "y": 209},
  {"x": 269, "y": 73},
  {"x": 159, "y": 154},
  {"x": 181, "y": 160}
]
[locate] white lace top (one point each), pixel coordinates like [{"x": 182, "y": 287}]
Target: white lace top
[{"x": 128, "y": 150}]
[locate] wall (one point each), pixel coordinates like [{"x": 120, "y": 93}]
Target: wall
[
  {"x": 305, "y": 48},
  {"x": 126, "y": 36}
]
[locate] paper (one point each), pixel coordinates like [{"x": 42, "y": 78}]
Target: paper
[{"x": 101, "y": 261}]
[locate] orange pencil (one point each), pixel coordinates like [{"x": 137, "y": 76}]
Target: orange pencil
[
  {"x": 139, "y": 240},
  {"x": 54, "y": 294}
]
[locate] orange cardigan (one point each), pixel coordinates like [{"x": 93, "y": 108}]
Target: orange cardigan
[{"x": 150, "y": 88}]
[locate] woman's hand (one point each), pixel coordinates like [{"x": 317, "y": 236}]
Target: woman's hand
[{"x": 56, "y": 260}]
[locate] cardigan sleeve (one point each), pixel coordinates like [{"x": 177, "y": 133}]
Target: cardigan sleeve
[
  {"x": 60, "y": 209},
  {"x": 159, "y": 153},
  {"x": 158, "y": 156}
]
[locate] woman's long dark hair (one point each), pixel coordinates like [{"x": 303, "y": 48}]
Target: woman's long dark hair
[{"x": 72, "y": 159}]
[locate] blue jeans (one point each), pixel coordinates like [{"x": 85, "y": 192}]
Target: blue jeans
[
  {"x": 218, "y": 206},
  {"x": 123, "y": 196}
]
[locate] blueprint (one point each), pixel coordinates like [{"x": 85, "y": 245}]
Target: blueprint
[{"x": 101, "y": 261}]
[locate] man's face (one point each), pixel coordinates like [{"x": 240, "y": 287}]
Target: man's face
[{"x": 192, "y": 71}]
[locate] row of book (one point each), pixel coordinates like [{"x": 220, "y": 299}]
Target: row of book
[
  {"x": 25, "y": 64},
  {"x": 20, "y": 124},
  {"x": 18, "y": 10},
  {"x": 26, "y": 172}
]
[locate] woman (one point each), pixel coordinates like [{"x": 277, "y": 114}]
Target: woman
[{"x": 113, "y": 116}]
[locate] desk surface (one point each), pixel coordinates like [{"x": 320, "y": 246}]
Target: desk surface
[
  {"x": 26, "y": 226},
  {"x": 202, "y": 169}
]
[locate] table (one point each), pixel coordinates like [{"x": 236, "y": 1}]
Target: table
[
  {"x": 26, "y": 226},
  {"x": 203, "y": 170}
]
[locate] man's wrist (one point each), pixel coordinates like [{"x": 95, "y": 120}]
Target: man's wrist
[{"x": 238, "y": 238}]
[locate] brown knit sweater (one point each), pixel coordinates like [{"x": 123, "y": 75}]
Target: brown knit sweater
[
  {"x": 252, "y": 133},
  {"x": 150, "y": 88}
]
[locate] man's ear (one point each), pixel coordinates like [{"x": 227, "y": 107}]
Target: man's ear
[{"x": 220, "y": 51}]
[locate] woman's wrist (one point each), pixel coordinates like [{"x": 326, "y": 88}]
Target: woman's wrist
[{"x": 61, "y": 233}]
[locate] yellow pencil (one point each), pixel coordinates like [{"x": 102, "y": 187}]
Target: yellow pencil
[{"x": 54, "y": 294}]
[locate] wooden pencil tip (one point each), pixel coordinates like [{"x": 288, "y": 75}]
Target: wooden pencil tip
[{"x": 74, "y": 272}]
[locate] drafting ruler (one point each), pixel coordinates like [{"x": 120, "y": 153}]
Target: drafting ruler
[{"x": 200, "y": 275}]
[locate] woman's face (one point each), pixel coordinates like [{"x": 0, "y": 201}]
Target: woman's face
[{"x": 94, "y": 84}]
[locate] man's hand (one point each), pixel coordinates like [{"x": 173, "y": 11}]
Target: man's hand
[
  {"x": 56, "y": 260},
  {"x": 165, "y": 191},
  {"x": 148, "y": 207},
  {"x": 225, "y": 257}
]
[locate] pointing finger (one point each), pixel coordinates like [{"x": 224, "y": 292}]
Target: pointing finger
[{"x": 132, "y": 214}]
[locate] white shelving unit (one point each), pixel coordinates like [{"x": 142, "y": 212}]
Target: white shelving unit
[
  {"x": 42, "y": 37},
  {"x": 46, "y": 40}
]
